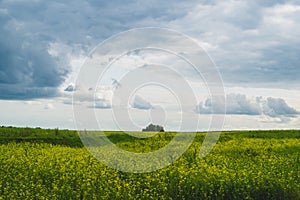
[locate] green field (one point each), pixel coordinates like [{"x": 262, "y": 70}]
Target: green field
[{"x": 53, "y": 164}]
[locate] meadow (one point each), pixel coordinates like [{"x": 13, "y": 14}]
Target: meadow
[{"x": 40, "y": 163}]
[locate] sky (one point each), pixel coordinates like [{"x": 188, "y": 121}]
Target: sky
[{"x": 253, "y": 45}]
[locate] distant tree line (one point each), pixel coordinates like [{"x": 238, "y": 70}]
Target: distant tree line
[{"x": 152, "y": 127}]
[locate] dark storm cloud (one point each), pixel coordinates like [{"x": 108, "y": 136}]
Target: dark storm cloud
[
  {"x": 28, "y": 28},
  {"x": 26, "y": 68}
]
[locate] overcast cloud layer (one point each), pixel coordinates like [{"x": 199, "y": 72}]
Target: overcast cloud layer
[
  {"x": 255, "y": 44},
  {"x": 252, "y": 42}
]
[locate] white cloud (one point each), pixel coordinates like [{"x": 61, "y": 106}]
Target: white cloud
[
  {"x": 274, "y": 107},
  {"x": 48, "y": 106},
  {"x": 240, "y": 104},
  {"x": 89, "y": 97},
  {"x": 102, "y": 103},
  {"x": 140, "y": 103}
]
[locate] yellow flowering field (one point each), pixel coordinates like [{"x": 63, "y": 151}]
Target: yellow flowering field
[{"x": 242, "y": 165}]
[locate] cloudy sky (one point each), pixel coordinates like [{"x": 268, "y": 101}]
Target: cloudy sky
[{"x": 255, "y": 46}]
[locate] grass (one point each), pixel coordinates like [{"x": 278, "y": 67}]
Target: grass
[
  {"x": 38, "y": 135},
  {"x": 53, "y": 164}
]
